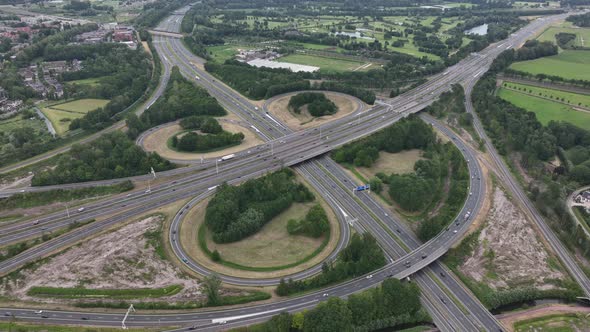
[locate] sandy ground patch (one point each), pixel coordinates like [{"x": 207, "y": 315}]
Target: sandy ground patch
[
  {"x": 189, "y": 240},
  {"x": 508, "y": 320},
  {"x": 157, "y": 142},
  {"x": 115, "y": 260},
  {"x": 16, "y": 182},
  {"x": 278, "y": 107},
  {"x": 509, "y": 252}
]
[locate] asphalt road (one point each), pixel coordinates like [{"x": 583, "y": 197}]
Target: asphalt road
[{"x": 449, "y": 314}]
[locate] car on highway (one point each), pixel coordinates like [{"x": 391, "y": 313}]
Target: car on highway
[
  {"x": 455, "y": 231},
  {"x": 369, "y": 276},
  {"x": 81, "y": 209},
  {"x": 38, "y": 312}
]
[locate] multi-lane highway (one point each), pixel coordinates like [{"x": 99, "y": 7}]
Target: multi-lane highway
[{"x": 289, "y": 148}]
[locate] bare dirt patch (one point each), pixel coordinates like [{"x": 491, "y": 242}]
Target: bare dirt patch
[
  {"x": 510, "y": 319},
  {"x": 273, "y": 254},
  {"x": 509, "y": 252},
  {"x": 279, "y": 108},
  {"x": 157, "y": 142},
  {"x": 120, "y": 259}
]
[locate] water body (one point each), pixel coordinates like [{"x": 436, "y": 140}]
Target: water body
[
  {"x": 355, "y": 34},
  {"x": 478, "y": 30}
]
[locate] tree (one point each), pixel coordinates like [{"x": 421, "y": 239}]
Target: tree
[
  {"x": 211, "y": 286},
  {"x": 330, "y": 316}
]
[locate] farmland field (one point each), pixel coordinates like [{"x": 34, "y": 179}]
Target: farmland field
[
  {"x": 567, "y": 64},
  {"x": 574, "y": 99},
  {"x": 61, "y": 115},
  {"x": 546, "y": 110}
]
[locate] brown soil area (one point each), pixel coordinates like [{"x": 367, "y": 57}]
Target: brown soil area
[
  {"x": 157, "y": 142},
  {"x": 189, "y": 240},
  {"x": 509, "y": 251},
  {"x": 279, "y": 108},
  {"x": 114, "y": 260}
]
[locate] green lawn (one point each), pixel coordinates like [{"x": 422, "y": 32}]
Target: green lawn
[
  {"x": 61, "y": 115},
  {"x": 87, "y": 81},
  {"x": 326, "y": 64},
  {"x": 582, "y": 35},
  {"x": 547, "y": 110},
  {"x": 567, "y": 64},
  {"x": 574, "y": 99}
]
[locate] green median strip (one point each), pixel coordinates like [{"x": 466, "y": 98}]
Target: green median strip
[{"x": 80, "y": 292}]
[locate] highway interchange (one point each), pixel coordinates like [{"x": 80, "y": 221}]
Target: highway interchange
[{"x": 326, "y": 177}]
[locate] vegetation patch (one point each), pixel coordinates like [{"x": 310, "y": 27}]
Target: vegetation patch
[
  {"x": 559, "y": 322},
  {"x": 273, "y": 247},
  {"x": 239, "y": 211},
  {"x": 73, "y": 293},
  {"x": 113, "y": 155},
  {"x": 362, "y": 255},
  {"x": 317, "y": 104},
  {"x": 547, "y": 110},
  {"x": 31, "y": 199},
  {"x": 567, "y": 64},
  {"x": 393, "y": 303}
]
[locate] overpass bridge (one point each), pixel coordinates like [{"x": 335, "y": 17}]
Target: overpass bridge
[{"x": 166, "y": 33}]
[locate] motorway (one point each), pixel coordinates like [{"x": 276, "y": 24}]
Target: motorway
[{"x": 298, "y": 147}]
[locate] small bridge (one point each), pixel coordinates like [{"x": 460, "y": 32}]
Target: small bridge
[{"x": 166, "y": 33}]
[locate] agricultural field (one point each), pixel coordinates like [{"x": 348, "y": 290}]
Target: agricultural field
[
  {"x": 547, "y": 110},
  {"x": 567, "y": 64},
  {"x": 87, "y": 81},
  {"x": 327, "y": 64},
  {"x": 574, "y": 99},
  {"x": 62, "y": 114}
]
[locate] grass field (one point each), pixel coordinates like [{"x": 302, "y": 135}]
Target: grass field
[
  {"x": 547, "y": 110},
  {"x": 61, "y": 115},
  {"x": 574, "y": 99},
  {"x": 88, "y": 81},
  {"x": 554, "y": 323},
  {"x": 326, "y": 64},
  {"x": 272, "y": 245},
  {"x": 582, "y": 35},
  {"x": 398, "y": 163},
  {"x": 18, "y": 122},
  {"x": 567, "y": 64}
]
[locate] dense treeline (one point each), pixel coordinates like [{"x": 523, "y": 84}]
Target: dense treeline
[
  {"x": 565, "y": 39},
  {"x": 154, "y": 12},
  {"x": 580, "y": 20},
  {"x": 314, "y": 224},
  {"x": 452, "y": 101},
  {"x": 258, "y": 83},
  {"x": 180, "y": 99},
  {"x": 317, "y": 104},
  {"x": 393, "y": 303},
  {"x": 194, "y": 142},
  {"x": 361, "y": 256},
  {"x": 239, "y": 211},
  {"x": 533, "y": 49},
  {"x": 406, "y": 134},
  {"x": 113, "y": 155},
  {"x": 205, "y": 124},
  {"x": 125, "y": 76},
  {"x": 515, "y": 130}
]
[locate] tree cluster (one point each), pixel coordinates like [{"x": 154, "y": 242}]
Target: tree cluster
[
  {"x": 565, "y": 39},
  {"x": 406, "y": 134},
  {"x": 580, "y": 20},
  {"x": 361, "y": 256},
  {"x": 111, "y": 156},
  {"x": 239, "y": 211},
  {"x": 180, "y": 99},
  {"x": 194, "y": 142},
  {"x": 205, "y": 124},
  {"x": 315, "y": 223},
  {"x": 317, "y": 104},
  {"x": 392, "y": 304},
  {"x": 533, "y": 49}
]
